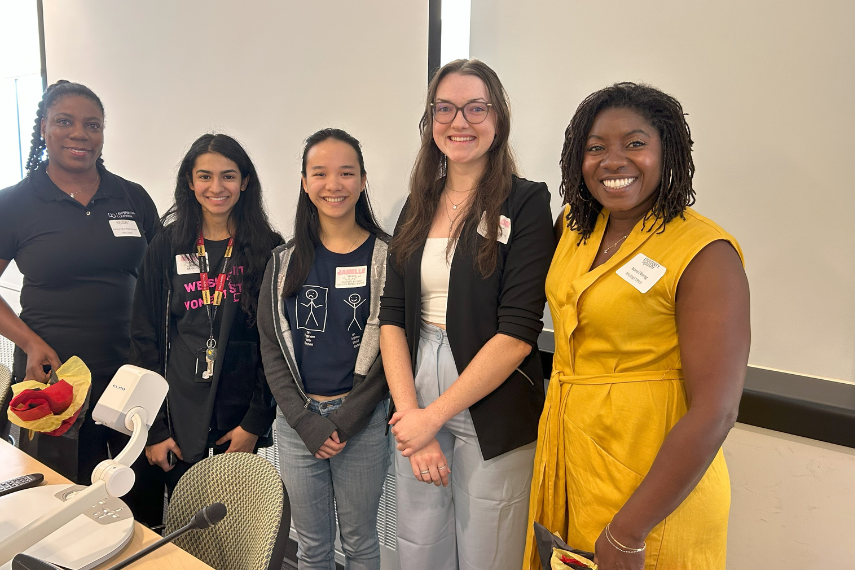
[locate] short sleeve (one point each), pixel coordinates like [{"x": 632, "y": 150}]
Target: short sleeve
[{"x": 8, "y": 229}]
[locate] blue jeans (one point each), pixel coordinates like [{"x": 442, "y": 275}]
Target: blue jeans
[{"x": 349, "y": 483}]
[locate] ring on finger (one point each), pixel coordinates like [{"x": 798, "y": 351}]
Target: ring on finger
[
  {"x": 425, "y": 472},
  {"x": 441, "y": 468}
]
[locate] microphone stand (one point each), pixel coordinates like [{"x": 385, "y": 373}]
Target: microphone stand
[{"x": 169, "y": 538}]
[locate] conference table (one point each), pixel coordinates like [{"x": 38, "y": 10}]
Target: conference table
[{"x": 14, "y": 463}]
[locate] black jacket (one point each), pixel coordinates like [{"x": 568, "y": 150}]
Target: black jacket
[
  {"x": 509, "y": 301},
  {"x": 238, "y": 390}
]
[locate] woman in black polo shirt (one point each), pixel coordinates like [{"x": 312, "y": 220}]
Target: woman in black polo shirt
[
  {"x": 78, "y": 234},
  {"x": 460, "y": 316}
]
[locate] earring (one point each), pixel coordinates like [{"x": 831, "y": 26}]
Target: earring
[{"x": 582, "y": 190}]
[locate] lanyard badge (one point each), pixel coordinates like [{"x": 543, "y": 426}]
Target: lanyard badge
[{"x": 211, "y": 304}]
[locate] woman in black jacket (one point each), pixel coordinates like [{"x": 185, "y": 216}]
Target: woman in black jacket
[
  {"x": 460, "y": 316},
  {"x": 193, "y": 318}
]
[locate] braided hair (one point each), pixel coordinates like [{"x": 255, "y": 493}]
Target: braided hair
[
  {"x": 665, "y": 114},
  {"x": 54, "y": 93}
]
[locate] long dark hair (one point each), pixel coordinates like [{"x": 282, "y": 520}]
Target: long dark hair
[
  {"x": 254, "y": 237},
  {"x": 307, "y": 226},
  {"x": 665, "y": 114},
  {"x": 428, "y": 176},
  {"x": 52, "y": 94}
]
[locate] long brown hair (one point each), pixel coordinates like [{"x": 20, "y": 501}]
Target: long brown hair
[{"x": 427, "y": 179}]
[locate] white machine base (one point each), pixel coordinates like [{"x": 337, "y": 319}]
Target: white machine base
[{"x": 91, "y": 538}]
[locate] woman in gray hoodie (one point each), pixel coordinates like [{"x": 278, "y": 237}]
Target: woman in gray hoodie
[{"x": 320, "y": 342}]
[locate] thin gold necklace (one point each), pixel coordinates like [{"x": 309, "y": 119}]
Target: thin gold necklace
[
  {"x": 615, "y": 243},
  {"x": 450, "y": 220},
  {"x": 453, "y": 205},
  {"x": 352, "y": 244},
  {"x": 90, "y": 187}
]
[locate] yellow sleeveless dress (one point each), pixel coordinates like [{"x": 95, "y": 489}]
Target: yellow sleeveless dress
[{"x": 616, "y": 391}]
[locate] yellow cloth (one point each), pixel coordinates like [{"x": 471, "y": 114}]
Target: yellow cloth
[
  {"x": 616, "y": 391},
  {"x": 73, "y": 371}
]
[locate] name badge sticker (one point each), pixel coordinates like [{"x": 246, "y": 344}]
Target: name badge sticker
[
  {"x": 642, "y": 272},
  {"x": 504, "y": 232},
  {"x": 125, "y": 228},
  {"x": 349, "y": 277},
  {"x": 186, "y": 265}
]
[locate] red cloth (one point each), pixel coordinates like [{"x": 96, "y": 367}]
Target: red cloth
[{"x": 31, "y": 405}]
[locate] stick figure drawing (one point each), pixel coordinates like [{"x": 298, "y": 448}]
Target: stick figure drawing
[
  {"x": 316, "y": 297},
  {"x": 354, "y": 301}
]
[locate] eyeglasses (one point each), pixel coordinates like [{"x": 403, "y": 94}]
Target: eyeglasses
[{"x": 474, "y": 112}]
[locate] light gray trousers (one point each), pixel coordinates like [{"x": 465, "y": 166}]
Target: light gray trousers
[{"x": 479, "y": 520}]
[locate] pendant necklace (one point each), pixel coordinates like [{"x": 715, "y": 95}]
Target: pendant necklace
[
  {"x": 448, "y": 215},
  {"x": 453, "y": 205},
  {"x": 615, "y": 243},
  {"x": 71, "y": 194}
]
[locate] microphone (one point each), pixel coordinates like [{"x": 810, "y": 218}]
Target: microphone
[{"x": 206, "y": 517}]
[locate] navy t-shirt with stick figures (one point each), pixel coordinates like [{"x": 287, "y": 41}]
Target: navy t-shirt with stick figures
[{"x": 328, "y": 316}]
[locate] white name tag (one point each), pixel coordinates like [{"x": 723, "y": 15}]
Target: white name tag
[
  {"x": 642, "y": 272},
  {"x": 125, "y": 228},
  {"x": 348, "y": 277},
  {"x": 186, "y": 265},
  {"x": 504, "y": 233}
]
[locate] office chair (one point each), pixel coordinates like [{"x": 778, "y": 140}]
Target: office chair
[
  {"x": 5, "y": 393},
  {"x": 254, "y": 533}
]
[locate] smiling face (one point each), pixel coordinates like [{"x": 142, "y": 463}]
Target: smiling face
[
  {"x": 333, "y": 180},
  {"x": 622, "y": 167},
  {"x": 217, "y": 184},
  {"x": 460, "y": 141},
  {"x": 73, "y": 130}
]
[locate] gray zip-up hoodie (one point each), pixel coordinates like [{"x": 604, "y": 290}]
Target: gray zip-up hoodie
[{"x": 280, "y": 365}]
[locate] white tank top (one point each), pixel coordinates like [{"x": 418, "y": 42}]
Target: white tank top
[{"x": 436, "y": 270}]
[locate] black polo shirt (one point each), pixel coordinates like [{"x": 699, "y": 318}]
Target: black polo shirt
[{"x": 80, "y": 263}]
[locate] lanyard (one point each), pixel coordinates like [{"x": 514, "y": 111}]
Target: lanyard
[{"x": 211, "y": 305}]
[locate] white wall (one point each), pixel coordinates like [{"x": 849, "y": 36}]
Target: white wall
[
  {"x": 267, "y": 73},
  {"x": 769, "y": 91},
  {"x": 792, "y": 502}
]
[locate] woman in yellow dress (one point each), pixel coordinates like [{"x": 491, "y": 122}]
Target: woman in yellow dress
[{"x": 650, "y": 305}]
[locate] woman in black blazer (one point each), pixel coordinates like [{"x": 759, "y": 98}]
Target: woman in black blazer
[{"x": 460, "y": 317}]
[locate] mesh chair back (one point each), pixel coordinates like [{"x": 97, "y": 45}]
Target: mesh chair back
[
  {"x": 5, "y": 384},
  {"x": 5, "y": 398},
  {"x": 255, "y": 499}
]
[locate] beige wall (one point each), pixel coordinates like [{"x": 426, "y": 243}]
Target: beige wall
[
  {"x": 268, "y": 73},
  {"x": 769, "y": 91},
  {"x": 792, "y": 502}
]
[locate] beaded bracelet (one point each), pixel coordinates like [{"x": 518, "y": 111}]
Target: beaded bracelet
[{"x": 625, "y": 549}]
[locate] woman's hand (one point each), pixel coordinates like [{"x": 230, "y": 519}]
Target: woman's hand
[
  {"x": 239, "y": 440},
  {"x": 431, "y": 460},
  {"x": 40, "y": 354},
  {"x": 414, "y": 429},
  {"x": 607, "y": 557},
  {"x": 332, "y": 446},
  {"x": 157, "y": 453}
]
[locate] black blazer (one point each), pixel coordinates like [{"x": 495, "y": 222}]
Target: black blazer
[{"x": 509, "y": 301}]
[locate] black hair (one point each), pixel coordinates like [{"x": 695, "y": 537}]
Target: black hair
[
  {"x": 52, "y": 94},
  {"x": 254, "y": 236},
  {"x": 665, "y": 114},
  {"x": 307, "y": 226}
]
